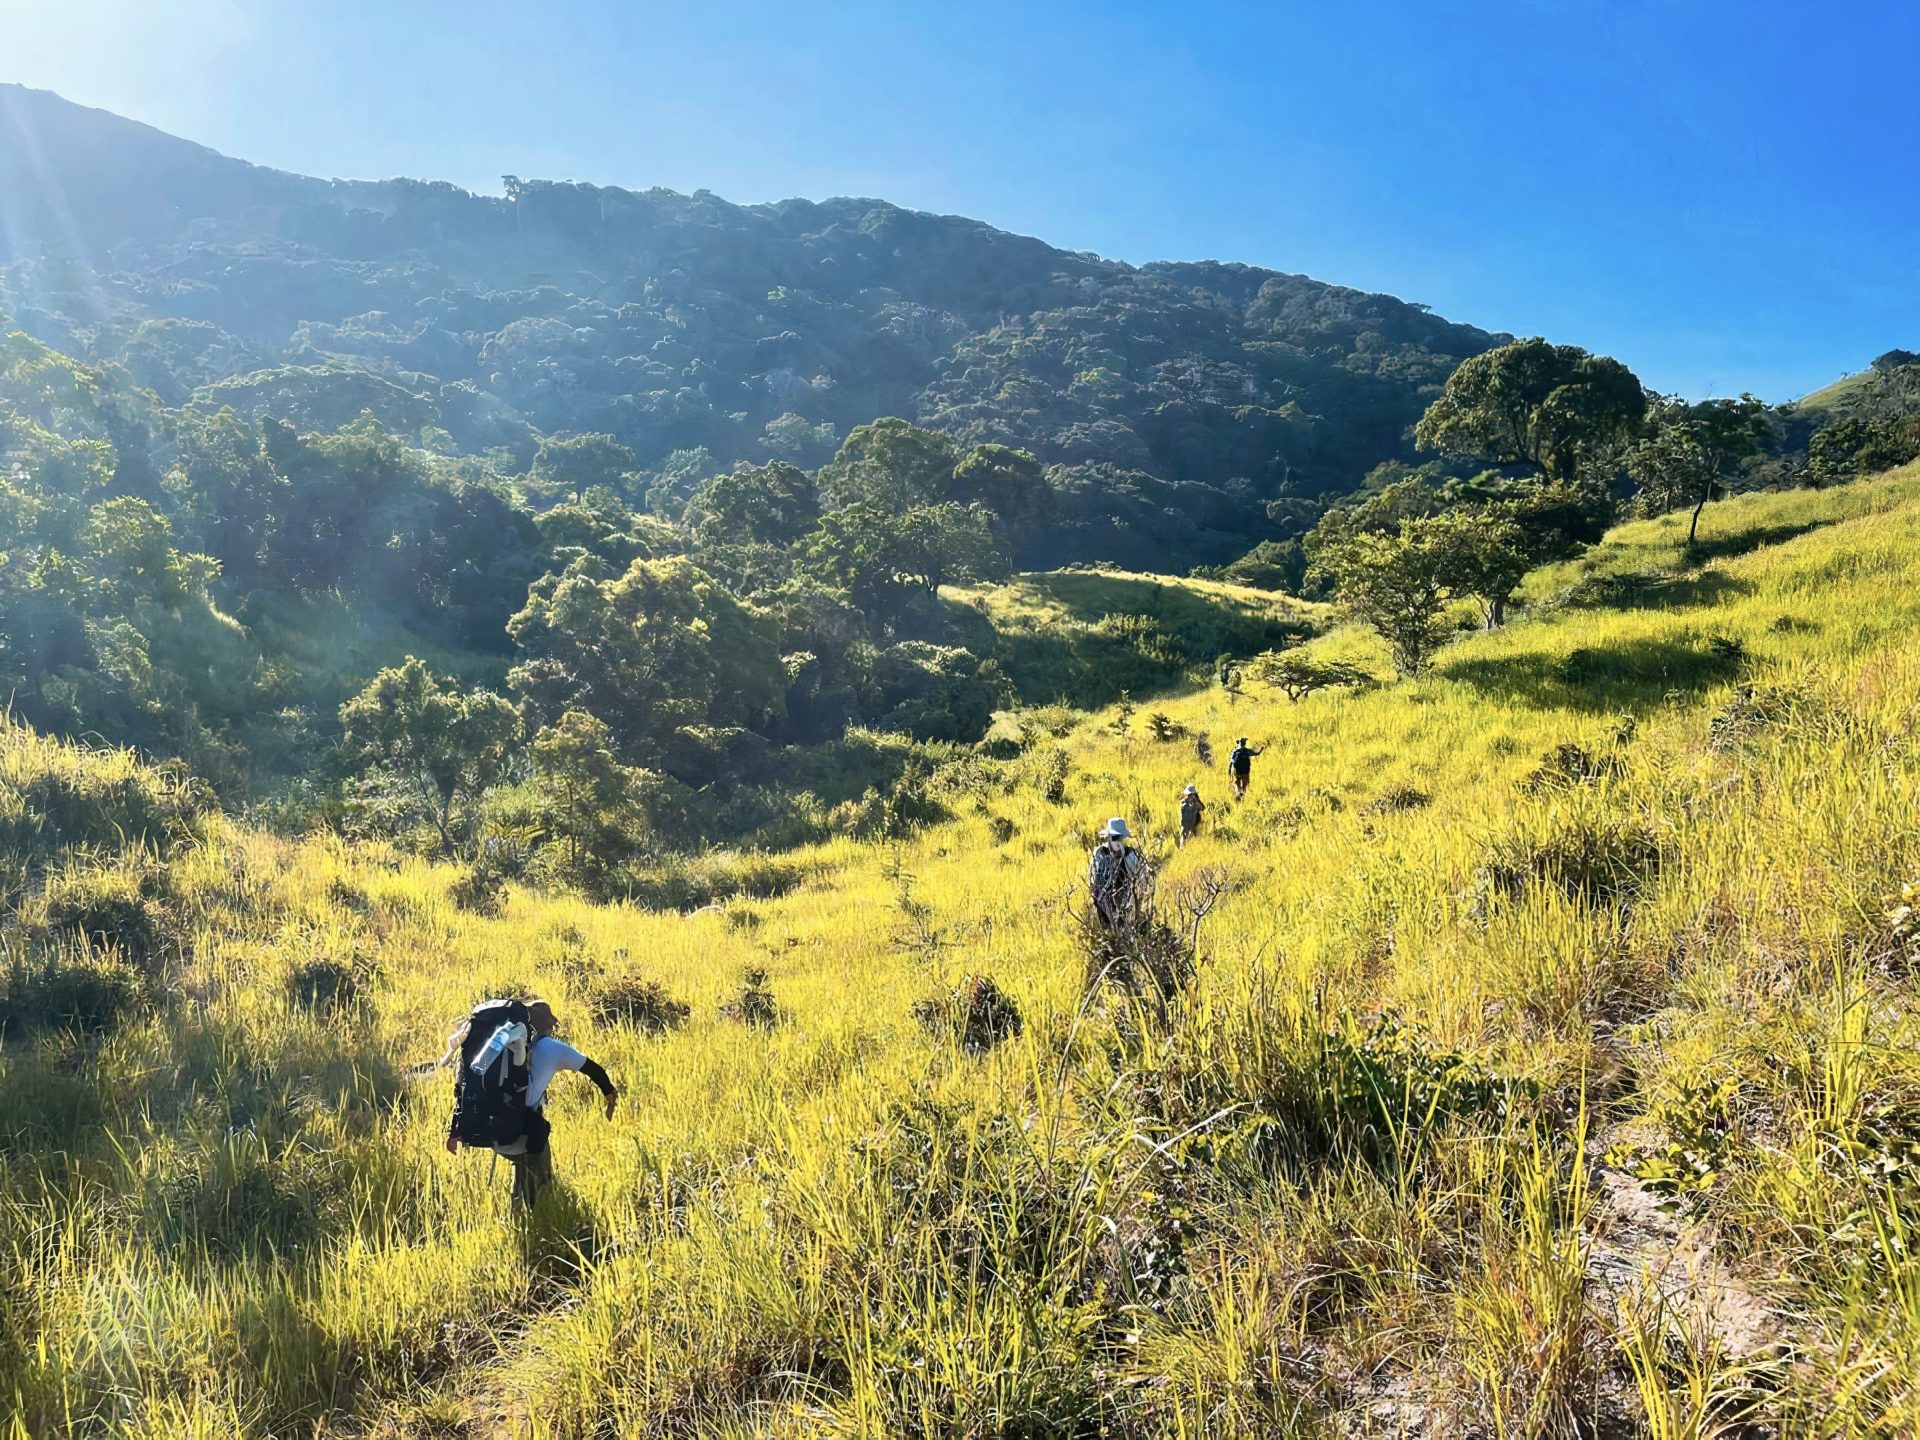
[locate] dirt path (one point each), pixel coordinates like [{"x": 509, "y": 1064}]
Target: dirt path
[{"x": 1640, "y": 1248}]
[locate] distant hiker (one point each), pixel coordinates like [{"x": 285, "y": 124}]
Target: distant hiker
[
  {"x": 508, "y": 1057},
  {"x": 1203, "y": 752},
  {"x": 1190, "y": 812},
  {"x": 1114, "y": 875},
  {"x": 1240, "y": 765}
]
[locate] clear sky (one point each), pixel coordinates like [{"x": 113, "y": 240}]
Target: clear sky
[{"x": 1721, "y": 194}]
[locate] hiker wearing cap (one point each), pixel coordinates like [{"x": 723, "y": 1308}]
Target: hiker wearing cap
[
  {"x": 1114, "y": 875},
  {"x": 513, "y": 1055},
  {"x": 1240, "y": 765},
  {"x": 1190, "y": 812}
]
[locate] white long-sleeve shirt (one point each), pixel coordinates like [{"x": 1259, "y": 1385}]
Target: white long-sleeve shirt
[{"x": 546, "y": 1059}]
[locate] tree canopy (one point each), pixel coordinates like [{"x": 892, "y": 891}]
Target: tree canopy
[{"x": 1551, "y": 408}]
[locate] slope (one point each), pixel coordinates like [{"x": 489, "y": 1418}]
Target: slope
[
  {"x": 1084, "y": 637},
  {"x": 1600, "y": 903},
  {"x": 688, "y": 324}
]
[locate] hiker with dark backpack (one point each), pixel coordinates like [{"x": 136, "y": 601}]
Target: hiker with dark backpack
[
  {"x": 1240, "y": 765},
  {"x": 1114, "y": 876},
  {"x": 508, "y": 1056}
]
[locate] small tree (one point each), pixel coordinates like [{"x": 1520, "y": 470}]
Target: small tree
[
  {"x": 1394, "y": 582},
  {"x": 1689, "y": 451},
  {"x": 1298, "y": 677},
  {"x": 1728, "y": 432},
  {"x": 1481, "y": 552},
  {"x": 451, "y": 744},
  {"x": 593, "y": 805}
]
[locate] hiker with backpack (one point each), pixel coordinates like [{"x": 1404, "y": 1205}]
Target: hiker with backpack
[
  {"x": 1240, "y": 765},
  {"x": 508, "y": 1056},
  {"x": 1191, "y": 809},
  {"x": 1114, "y": 875}
]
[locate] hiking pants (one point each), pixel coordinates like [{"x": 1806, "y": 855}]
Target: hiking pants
[{"x": 533, "y": 1168}]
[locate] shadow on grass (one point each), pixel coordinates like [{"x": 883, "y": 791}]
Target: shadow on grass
[
  {"x": 1720, "y": 547},
  {"x": 559, "y": 1239},
  {"x": 1603, "y": 679},
  {"x": 1655, "y": 590}
]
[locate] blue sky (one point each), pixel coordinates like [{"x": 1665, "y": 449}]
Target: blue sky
[{"x": 1721, "y": 194}]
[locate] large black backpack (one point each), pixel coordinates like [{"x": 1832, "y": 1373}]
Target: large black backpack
[{"x": 490, "y": 1104}]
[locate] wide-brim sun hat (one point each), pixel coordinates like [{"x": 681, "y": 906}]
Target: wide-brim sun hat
[
  {"x": 1116, "y": 826},
  {"x": 1193, "y": 789}
]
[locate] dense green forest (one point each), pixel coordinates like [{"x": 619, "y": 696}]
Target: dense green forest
[
  {"x": 381, "y": 504},
  {"x": 1172, "y": 404}
]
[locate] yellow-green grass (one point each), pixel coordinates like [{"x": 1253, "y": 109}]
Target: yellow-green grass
[
  {"x": 1086, "y": 635},
  {"x": 237, "y": 1216},
  {"x": 1839, "y": 395}
]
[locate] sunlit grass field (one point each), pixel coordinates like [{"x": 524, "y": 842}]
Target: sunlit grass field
[
  {"x": 1549, "y": 1068},
  {"x": 1087, "y": 636}
]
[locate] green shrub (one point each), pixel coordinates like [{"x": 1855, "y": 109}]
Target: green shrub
[
  {"x": 56, "y": 796},
  {"x": 631, "y": 1000},
  {"x": 67, "y": 987},
  {"x": 976, "y": 1013},
  {"x": 1050, "y": 770},
  {"x": 1696, "y": 1139},
  {"x": 754, "y": 1005},
  {"x": 327, "y": 985},
  {"x": 1600, "y": 860},
  {"x": 479, "y": 888},
  {"x": 1567, "y": 765},
  {"x": 115, "y": 909},
  {"x": 1396, "y": 798}
]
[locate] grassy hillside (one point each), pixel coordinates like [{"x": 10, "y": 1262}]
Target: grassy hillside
[
  {"x": 1083, "y": 636},
  {"x": 1839, "y": 396},
  {"x": 1596, "y": 917}
]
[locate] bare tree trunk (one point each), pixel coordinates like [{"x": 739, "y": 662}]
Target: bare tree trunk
[{"x": 1693, "y": 529}]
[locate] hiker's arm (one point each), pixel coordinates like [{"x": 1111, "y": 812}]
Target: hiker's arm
[{"x": 591, "y": 1069}]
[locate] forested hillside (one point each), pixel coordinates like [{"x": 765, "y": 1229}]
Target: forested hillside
[{"x": 1173, "y": 401}]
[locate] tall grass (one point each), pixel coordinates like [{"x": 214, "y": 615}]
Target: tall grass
[{"x": 1348, "y": 1178}]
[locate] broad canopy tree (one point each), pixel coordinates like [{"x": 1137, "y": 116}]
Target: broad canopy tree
[
  {"x": 772, "y": 504},
  {"x": 1552, "y": 408},
  {"x": 885, "y": 560},
  {"x": 577, "y": 463},
  {"x": 1011, "y": 485},
  {"x": 891, "y": 465}
]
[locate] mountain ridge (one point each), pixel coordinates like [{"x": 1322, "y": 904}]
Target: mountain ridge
[{"x": 689, "y": 324}]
